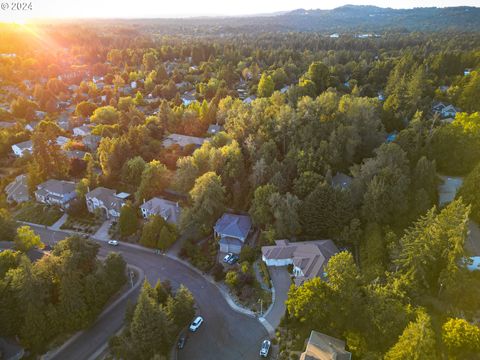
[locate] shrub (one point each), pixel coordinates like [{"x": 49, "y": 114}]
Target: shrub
[{"x": 217, "y": 272}]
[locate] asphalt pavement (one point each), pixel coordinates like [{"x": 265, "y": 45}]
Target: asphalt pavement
[{"x": 225, "y": 334}]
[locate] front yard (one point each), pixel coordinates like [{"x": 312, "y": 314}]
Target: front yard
[
  {"x": 89, "y": 223},
  {"x": 38, "y": 214}
]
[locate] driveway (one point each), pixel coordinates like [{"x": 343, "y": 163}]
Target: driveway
[
  {"x": 281, "y": 282},
  {"x": 226, "y": 334}
]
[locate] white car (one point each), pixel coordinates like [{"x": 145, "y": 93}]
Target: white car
[
  {"x": 196, "y": 324},
  {"x": 227, "y": 257},
  {"x": 113, "y": 242},
  {"x": 265, "y": 348}
]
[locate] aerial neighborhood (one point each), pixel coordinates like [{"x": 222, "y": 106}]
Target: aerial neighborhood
[{"x": 232, "y": 188}]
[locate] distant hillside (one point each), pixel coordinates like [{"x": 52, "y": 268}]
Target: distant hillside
[
  {"x": 371, "y": 18},
  {"x": 348, "y": 18}
]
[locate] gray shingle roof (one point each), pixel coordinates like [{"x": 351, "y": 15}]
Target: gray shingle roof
[{"x": 235, "y": 226}]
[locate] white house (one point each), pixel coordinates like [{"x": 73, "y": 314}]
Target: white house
[
  {"x": 169, "y": 210},
  {"x": 307, "y": 257},
  {"x": 107, "y": 201},
  {"x": 56, "y": 192},
  {"x": 22, "y": 148}
]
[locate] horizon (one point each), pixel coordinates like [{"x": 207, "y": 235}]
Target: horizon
[{"x": 108, "y": 9}]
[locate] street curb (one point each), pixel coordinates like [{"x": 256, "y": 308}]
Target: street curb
[
  {"x": 234, "y": 306},
  {"x": 272, "y": 304},
  {"x": 51, "y": 355}
]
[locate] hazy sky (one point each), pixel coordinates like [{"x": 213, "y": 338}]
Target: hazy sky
[{"x": 179, "y": 8}]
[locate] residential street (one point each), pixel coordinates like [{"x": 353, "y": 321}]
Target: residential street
[{"x": 225, "y": 334}]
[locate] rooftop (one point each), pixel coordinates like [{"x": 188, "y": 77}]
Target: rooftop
[
  {"x": 233, "y": 226},
  {"x": 308, "y": 256},
  {"x": 324, "y": 347}
]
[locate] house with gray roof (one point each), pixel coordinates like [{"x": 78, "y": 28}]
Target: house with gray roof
[
  {"x": 17, "y": 190},
  {"x": 56, "y": 192},
  {"x": 169, "y": 210},
  {"x": 20, "y": 149},
  {"x": 106, "y": 201},
  {"x": 308, "y": 258},
  {"x": 324, "y": 347},
  {"x": 232, "y": 230},
  {"x": 183, "y": 140}
]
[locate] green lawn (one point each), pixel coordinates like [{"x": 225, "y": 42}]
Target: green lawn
[{"x": 38, "y": 214}]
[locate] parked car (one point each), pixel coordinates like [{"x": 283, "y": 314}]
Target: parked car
[
  {"x": 227, "y": 257},
  {"x": 233, "y": 259},
  {"x": 265, "y": 348},
  {"x": 181, "y": 341},
  {"x": 113, "y": 242},
  {"x": 196, "y": 324}
]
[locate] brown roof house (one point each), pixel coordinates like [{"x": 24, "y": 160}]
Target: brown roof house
[
  {"x": 324, "y": 347},
  {"x": 307, "y": 257}
]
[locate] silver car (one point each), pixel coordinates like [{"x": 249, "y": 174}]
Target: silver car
[{"x": 265, "y": 348}]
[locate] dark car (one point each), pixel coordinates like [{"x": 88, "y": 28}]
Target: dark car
[
  {"x": 233, "y": 259},
  {"x": 181, "y": 341}
]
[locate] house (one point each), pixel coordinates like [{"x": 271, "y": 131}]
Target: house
[
  {"x": 324, "y": 347},
  {"x": 22, "y": 148},
  {"x": 56, "y": 192},
  {"x": 83, "y": 130},
  {"x": 107, "y": 201},
  {"x": 17, "y": 190},
  {"x": 6, "y": 125},
  {"x": 449, "y": 111},
  {"x": 233, "y": 231},
  {"x": 445, "y": 110},
  {"x": 31, "y": 126},
  {"x": 62, "y": 141},
  {"x": 187, "y": 99},
  {"x": 183, "y": 140},
  {"x": 341, "y": 180},
  {"x": 284, "y": 89},
  {"x": 334, "y": 36},
  {"x": 168, "y": 210},
  {"x": 308, "y": 258},
  {"x": 91, "y": 141},
  {"x": 214, "y": 129},
  {"x": 448, "y": 120}
]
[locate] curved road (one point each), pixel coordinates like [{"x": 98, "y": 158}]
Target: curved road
[{"x": 225, "y": 334}]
